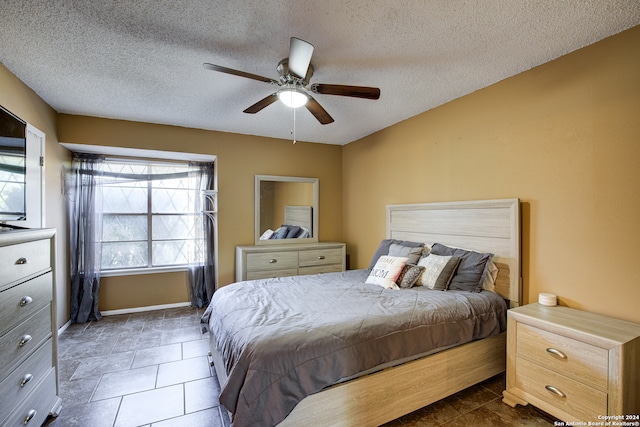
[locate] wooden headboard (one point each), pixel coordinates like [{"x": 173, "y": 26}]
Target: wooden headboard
[
  {"x": 299, "y": 215},
  {"x": 481, "y": 225}
]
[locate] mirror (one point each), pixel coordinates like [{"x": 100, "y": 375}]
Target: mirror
[{"x": 286, "y": 200}]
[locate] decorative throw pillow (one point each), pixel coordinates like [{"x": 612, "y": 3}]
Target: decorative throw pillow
[
  {"x": 292, "y": 231},
  {"x": 438, "y": 271},
  {"x": 386, "y": 271},
  {"x": 413, "y": 254},
  {"x": 471, "y": 271},
  {"x": 409, "y": 275},
  {"x": 383, "y": 248}
]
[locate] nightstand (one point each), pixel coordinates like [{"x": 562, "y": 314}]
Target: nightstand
[{"x": 575, "y": 365}]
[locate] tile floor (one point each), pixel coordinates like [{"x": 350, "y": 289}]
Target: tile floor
[{"x": 150, "y": 369}]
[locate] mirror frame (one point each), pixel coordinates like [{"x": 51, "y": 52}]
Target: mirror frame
[{"x": 316, "y": 197}]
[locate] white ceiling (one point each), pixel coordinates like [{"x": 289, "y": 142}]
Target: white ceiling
[{"x": 142, "y": 59}]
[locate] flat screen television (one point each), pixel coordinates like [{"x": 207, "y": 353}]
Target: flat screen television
[{"x": 13, "y": 169}]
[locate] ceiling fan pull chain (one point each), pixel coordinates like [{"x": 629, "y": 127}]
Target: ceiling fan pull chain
[{"x": 294, "y": 125}]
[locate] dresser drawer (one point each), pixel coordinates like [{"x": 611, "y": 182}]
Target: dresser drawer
[
  {"x": 19, "y": 342},
  {"x": 558, "y": 391},
  {"x": 574, "y": 359},
  {"x": 24, "y": 259},
  {"x": 33, "y": 410},
  {"x": 332, "y": 268},
  {"x": 272, "y": 261},
  {"x": 316, "y": 257},
  {"x": 267, "y": 274},
  {"x": 24, "y": 379},
  {"x": 21, "y": 301}
]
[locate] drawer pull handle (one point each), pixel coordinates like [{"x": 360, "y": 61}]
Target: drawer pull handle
[
  {"x": 556, "y": 353},
  {"x": 273, "y": 261},
  {"x": 25, "y": 339},
  {"x": 26, "y": 379},
  {"x": 21, "y": 261},
  {"x": 26, "y": 300},
  {"x": 32, "y": 413},
  {"x": 555, "y": 390},
  {"x": 321, "y": 257}
]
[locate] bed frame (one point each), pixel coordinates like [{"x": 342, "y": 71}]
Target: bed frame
[{"x": 485, "y": 225}]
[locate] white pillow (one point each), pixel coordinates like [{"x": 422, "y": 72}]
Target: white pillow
[{"x": 386, "y": 271}]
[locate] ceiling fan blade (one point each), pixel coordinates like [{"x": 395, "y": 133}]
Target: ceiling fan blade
[
  {"x": 346, "y": 90},
  {"x": 226, "y": 70},
  {"x": 300, "y": 53},
  {"x": 264, "y": 102},
  {"x": 319, "y": 113}
]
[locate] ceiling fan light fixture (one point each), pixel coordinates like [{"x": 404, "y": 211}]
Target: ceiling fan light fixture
[{"x": 292, "y": 97}]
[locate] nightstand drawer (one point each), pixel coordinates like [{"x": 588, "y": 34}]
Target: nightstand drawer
[
  {"x": 272, "y": 261},
  {"x": 321, "y": 257},
  {"x": 574, "y": 359},
  {"x": 24, "y": 259},
  {"x": 558, "y": 391}
]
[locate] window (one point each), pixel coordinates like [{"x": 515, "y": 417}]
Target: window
[{"x": 151, "y": 215}]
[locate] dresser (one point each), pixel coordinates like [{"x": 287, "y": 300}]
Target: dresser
[
  {"x": 575, "y": 365},
  {"x": 262, "y": 262},
  {"x": 28, "y": 335}
]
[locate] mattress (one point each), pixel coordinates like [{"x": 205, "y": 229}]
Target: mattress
[{"x": 283, "y": 339}]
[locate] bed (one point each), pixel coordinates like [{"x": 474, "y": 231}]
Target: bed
[{"x": 366, "y": 387}]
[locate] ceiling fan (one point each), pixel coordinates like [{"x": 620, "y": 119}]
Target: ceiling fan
[{"x": 294, "y": 89}]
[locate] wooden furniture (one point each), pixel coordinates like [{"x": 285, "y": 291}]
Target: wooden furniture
[
  {"x": 261, "y": 262},
  {"x": 575, "y": 365},
  {"x": 486, "y": 226},
  {"x": 28, "y": 333}
]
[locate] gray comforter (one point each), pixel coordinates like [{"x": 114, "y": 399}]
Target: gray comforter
[{"x": 283, "y": 339}]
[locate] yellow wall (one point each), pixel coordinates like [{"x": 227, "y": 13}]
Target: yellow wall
[
  {"x": 239, "y": 159},
  {"x": 18, "y": 98},
  {"x": 563, "y": 137}
]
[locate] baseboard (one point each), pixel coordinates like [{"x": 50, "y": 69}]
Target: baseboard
[
  {"x": 131, "y": 310},
  {"x": 64, "y": 327},
  {"x": 142, "y": 309}
]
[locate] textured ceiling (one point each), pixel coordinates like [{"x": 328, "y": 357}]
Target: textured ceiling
[{"x": 142, "y": 59}]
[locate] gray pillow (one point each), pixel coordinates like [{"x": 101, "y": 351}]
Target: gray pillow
[
  {"x": 383, "y": 248},
  {"x": 292, "y": 231},
  {"x": 413, "y": 254},
  {"x": 471, "y": 270},
  {"x": 281, "y": 232}
]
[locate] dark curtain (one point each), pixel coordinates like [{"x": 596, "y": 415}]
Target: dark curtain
[
  {"x": 201, "y": 273},
  {"x": 85, "y": 228}
]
